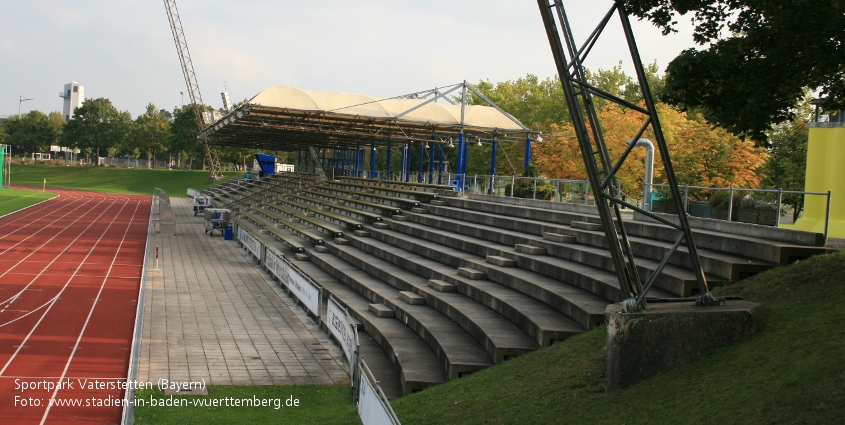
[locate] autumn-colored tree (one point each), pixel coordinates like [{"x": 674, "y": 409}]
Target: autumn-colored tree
[{"x": 701, "y": 154}]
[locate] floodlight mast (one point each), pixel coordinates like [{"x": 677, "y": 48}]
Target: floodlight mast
[
  {"x": 601, "y": 168},
  {"x": 191, "y": 82}
]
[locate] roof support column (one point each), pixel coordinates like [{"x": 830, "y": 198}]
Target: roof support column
[
  {"x": 431, "y": 148},
  {"x": 359, "y": 152},
  {"x": 527, "y": 151},
  {"x": 389, "y": 149},
  {"x": 299, "y": 161},
  {"x": 343, "y": 154},
  {"x": 422, "y": 155},
  {"x": 493, "y": 164},
  {"x": 404, "y": 162},
  {"x": 440, "y": 167},
  {"x": 409, "y": 152},
  {"x": 373, "y": 161},
  {"x": 461, "y": 141}
]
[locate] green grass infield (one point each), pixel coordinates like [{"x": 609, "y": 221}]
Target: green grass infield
[
  {"x": 134, "y": 181},
  {"x": 12, "y": 200}
]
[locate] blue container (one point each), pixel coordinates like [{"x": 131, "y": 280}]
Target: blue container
[{"x": 227, "y": 233}]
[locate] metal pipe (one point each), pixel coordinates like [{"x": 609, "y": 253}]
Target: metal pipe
[
  {"x": 731, "y": 204},
  {"x": 648, "y": 178},
  {"x": 827, "y": 215},
  {"x": 373, "y": 153},
  {"x": 777, "y": 216}
]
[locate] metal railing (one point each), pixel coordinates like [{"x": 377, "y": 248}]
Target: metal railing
[{"x": 732, "y": 191}]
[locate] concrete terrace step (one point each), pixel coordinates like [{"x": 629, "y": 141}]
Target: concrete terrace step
[
  {"x": 675, "y": 279},
  {"x": 543, "y": 310},
  {"x": 454, "y": 347},
  {"x": 339, "y": 219},
  {"x": 416, "y": 363},
  {"x": 391, "y": 201},
  {"x": 345, "y": 196},
  {"x": 312, "y": 222},
  {"x": 444, "y": 243},
  {"x": 336, "y": 207},
  {"x": 287, "y": 222},
  {"x": 285, "y": 237},
  {"x": 501, "y": 338}
]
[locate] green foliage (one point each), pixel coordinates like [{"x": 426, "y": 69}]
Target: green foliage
[
  {"x": 32, "y": 132},
  {"x": 791, "y": 372},
  {"x": 96, "y": 127},
  {"x": 787, "y": 164},
  {"x": 754, "y": 78},
  {"x": 184, "y": 131},
  {"x": 151, "y": 133}
]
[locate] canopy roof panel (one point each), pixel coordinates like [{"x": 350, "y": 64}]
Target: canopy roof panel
[{"x": 288, "y": 119}]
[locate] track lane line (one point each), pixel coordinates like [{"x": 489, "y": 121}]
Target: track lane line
[
  {"x": 88, "y": 318},
  {"x": 53, "y": 303}
]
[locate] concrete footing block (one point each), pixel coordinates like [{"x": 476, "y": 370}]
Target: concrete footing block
[
  {"x": 666, "y": 335},
  {"x": 302, "y": 257},
  {"x": 361, "y": 233},
  {"x": 419, "y": 210},
  {"x": 265, "y": 232},
  {"x": 583, "y": 225},
  {"x": 442, "y": 286},
  {"x": 530, "y": 249},
  {"x": 557, "y": 237},
  {"x": 411, "y": 298},
  {"x": 501, "y": 261},
  {"x": 381, "y": 225},
  {"x": 295, "y": 220},
  {"x": 472, "y": 273},
  {"x": 400, "y": 217},
  {"x": 437, "y": 202},
  {"x": 310, "y": 214},
  {"x": 381, "y": 311},
  {"x": 321, "y": 249},
  {"x": 341, "y": 241}
]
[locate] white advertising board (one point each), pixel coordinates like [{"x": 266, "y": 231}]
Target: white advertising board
[
  {"x": 341, "y": 327},
  {"x": 372, "y": 408},
  {"x": 301, "y": 287},
  {"x": 250, "y": 242}
]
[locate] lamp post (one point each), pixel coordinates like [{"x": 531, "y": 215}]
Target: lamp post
[{"x": 21, "y": 100}]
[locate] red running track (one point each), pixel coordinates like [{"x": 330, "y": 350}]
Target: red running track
[{"x": 70, "y": 271}]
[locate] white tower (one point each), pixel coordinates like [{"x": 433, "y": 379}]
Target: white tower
[{"x": 74, "y": 95}]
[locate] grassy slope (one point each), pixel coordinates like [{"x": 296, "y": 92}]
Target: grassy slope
[
  {"x": 111, "y": 180},
  {"x": 792, "y": 372},
  {"x": 317, "y": 405},
  {"x": 12, "y": 200}
]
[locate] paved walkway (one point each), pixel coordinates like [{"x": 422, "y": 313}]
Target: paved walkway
[{"x": 211, "y": 313}]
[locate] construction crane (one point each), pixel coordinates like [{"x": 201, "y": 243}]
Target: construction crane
[{"x": 191, "y": 82}]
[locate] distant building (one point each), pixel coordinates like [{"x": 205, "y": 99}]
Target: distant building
[{"x": 74, "y": 95}]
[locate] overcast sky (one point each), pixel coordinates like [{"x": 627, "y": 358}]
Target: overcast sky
[{"x": 123, "y": 49}]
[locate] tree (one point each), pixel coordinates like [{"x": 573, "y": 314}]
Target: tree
[
  {"x": 702, "y": 155},
  {"x": 787, "y": 164},
  {"x": 538, "y": 104},
  {"x": 57, "y": 121},
  {"x": 96, "y": 127},
  {"x": 150, "y": 134},
  {"x": 184, "y": 132},
  {"x": 754, "y": 78},
  {"x": 32, "y": 132}
]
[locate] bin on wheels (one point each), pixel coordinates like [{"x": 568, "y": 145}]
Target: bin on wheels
[{"x": 227, "y": 233}]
